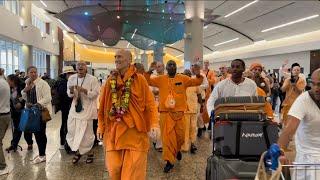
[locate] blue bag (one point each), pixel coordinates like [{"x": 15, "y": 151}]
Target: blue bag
[{"x": 30, "y": 120}]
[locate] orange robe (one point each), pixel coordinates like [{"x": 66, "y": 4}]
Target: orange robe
[
  {"x": 267, "y": 107},
  {"x": 126, "y": 142},
  {"x": 212, "y": 79},
  {"x": 292, "y": 92},
  {"x": 172, "y": 123}
]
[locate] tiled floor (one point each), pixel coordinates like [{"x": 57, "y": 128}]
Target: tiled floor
[{"x": 59, "y": 166}]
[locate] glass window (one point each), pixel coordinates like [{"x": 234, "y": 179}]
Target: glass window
[
  {"x": 14, "y": 6},
  {"x": 7, "y": 4},
  {"x": 11, "y": 5},
  {"x": 39, "y": 61},
  {"x": 10, "y": 56}
]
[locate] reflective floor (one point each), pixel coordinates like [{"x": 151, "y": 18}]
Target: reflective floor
[{"x": 59, "y": 166}]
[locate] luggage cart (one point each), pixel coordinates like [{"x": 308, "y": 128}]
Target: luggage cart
[{"x": 299, "y": 171}]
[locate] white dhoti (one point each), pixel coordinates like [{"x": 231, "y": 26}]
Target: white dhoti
[{"x": 80, "y": 135}]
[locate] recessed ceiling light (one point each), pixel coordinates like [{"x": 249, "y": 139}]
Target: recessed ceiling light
[
  {"x": 118, "y": 17},
  {"x": 86, "y": 13},
  {"x": 134, "y": 33},
  {"x": 43, "y": 3},
  {"x": 290, "y": 23},
  {"x": 225, "y": 42},
  {"x": 240, "y": 9}
]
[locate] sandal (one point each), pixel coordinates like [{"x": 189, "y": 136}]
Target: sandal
[
  {"x": 89, "y": 159},
  {"x": 76, "y": 158}
]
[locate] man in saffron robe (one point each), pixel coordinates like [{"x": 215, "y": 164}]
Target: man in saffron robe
[
  {"x": 126, "y": 115},
  {"x": 211, "y": 76},
  {"x": 293, "y": 86},
  {"x": 172, "y": 93}
]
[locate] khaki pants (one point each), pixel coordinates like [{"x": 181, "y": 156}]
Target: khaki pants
[
  {"x": 4, "y": 123},
  {"x": 190, "y": 130}
]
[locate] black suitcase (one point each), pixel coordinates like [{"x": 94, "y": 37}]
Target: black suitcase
[
  {"x": 239, "y": 100},
  {"x": 243, "y": 116},
  {"x": 219, "y": 168},
  {"x": 243, "y": 139}
]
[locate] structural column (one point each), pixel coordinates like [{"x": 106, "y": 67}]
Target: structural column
[
  {"x": 26, "y": 20},
  {"x": 193, "y": 46},
  {"x": 144, "y": 60},
  {"x": 158, "y": 53}
]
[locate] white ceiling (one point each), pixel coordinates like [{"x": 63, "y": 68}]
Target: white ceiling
[{"x": 250, "y": 21}]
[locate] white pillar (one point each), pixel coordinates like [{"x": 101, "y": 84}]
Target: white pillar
[
  {"x": 193, "y": 46},
  {"x": 26, "y": 20},
  {"x": 54, "y": 65},
  {"x": 27, "y": 53},
  {"x": 158, "y": 53},
  {"x": 144, "y": 60}
]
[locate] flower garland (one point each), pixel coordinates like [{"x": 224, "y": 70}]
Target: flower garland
[{"x": 120, "y": 105}]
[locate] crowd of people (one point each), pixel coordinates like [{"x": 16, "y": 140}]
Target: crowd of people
[{"x": 136, "y": 106}]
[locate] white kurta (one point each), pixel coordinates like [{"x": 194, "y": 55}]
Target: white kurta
[
  {"x": 80, "y": 125},
  {"x": 227, "y": 88}
]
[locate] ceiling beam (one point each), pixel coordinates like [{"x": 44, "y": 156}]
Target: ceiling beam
[{"x": 235, "y": 30}]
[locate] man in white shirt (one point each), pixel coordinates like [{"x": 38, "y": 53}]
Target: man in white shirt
[
  {"x": 84, "y": 89},
  {"x": 304, "y": 122},
  {"x": 5, "y": 118},
  {"x": 237, "y": 85}
]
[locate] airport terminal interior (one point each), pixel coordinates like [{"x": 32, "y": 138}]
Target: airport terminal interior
[{"x": 159, "y": 89}]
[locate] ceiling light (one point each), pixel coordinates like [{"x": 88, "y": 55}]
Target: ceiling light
[
  {"x": 260, "y": 42},
  {"x": 64, "y": 25},
  {"x": 225, "y": 42},
  {"x": 290, "y": 23},
  {"x": 179, "y": 55},
  {"x": 151, "y": 43},
  {"x": 77, "y": 38},
  {"x": 86, "y": 13},
  {"x": 118, "y": 17},
  {"x": 128, "y": 45},
  {"x": 147, "y": 9},
  {"x": 240, "y": 9},
  {"x": 134, "y": 33},
  {"x": 43, "y": 3},
  {"x": 170, "y": 17},
  {"x": 163, "y": 10}
]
